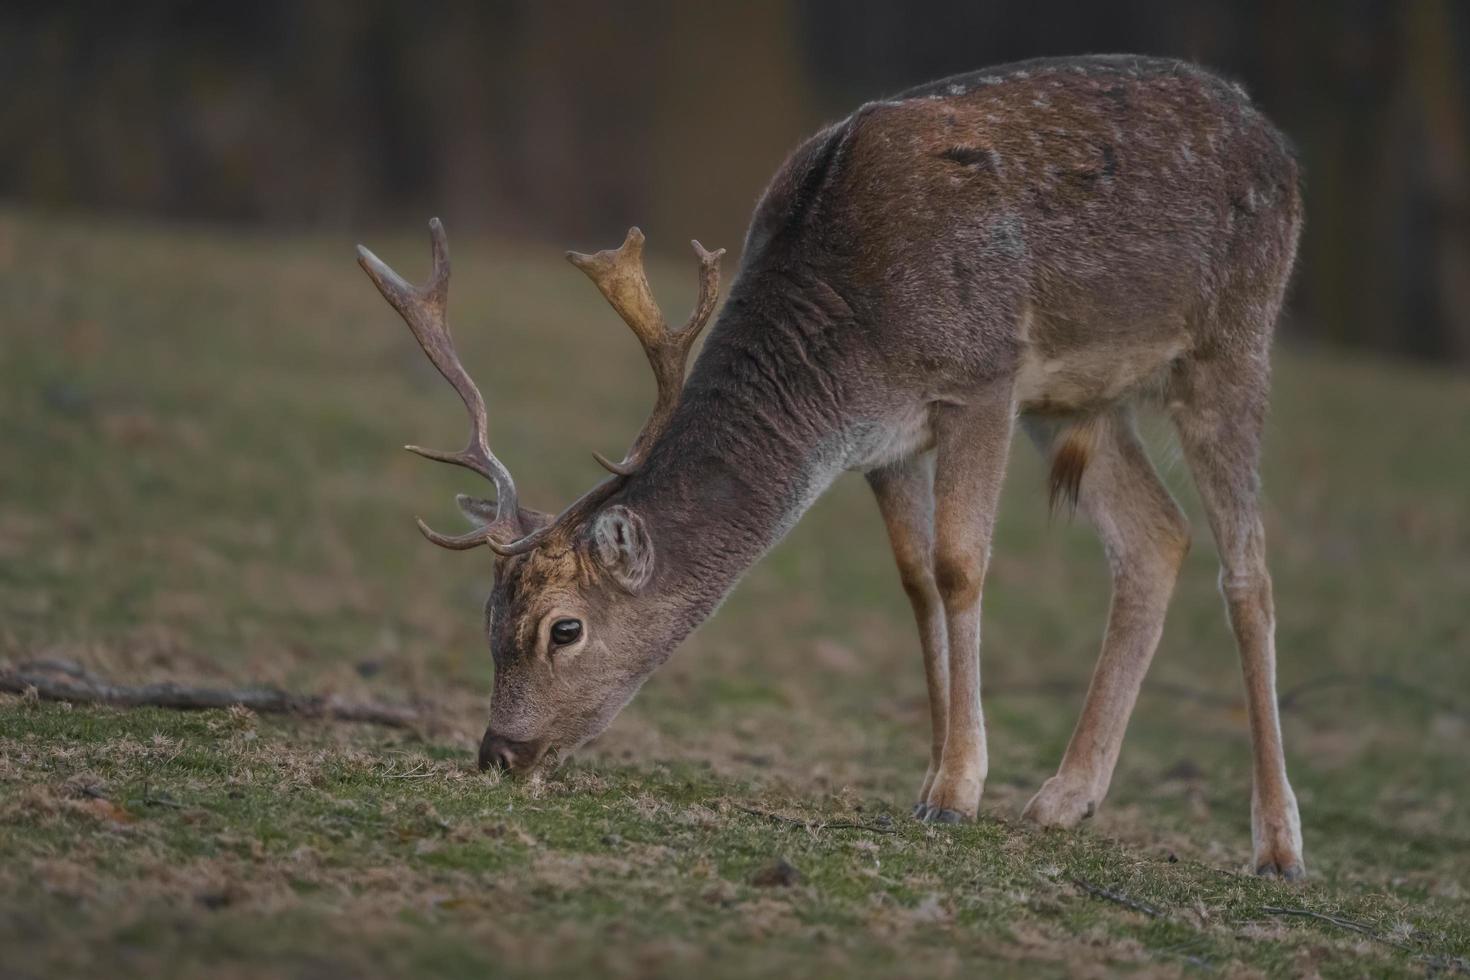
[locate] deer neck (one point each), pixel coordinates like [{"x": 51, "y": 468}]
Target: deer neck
[{"x": 748, "y": 451}]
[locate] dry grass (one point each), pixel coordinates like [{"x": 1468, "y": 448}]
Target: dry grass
[{"x": 199, "y": 482}]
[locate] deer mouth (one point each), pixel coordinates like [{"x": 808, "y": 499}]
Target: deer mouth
[{"x": 509, "y": 756}]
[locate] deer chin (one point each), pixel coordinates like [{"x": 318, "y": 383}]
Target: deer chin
[
  {"x": 523, "y": 757},
  {"x": 594, "y": 724}
]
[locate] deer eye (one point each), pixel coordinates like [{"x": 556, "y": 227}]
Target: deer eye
[{"x": 565, "y": 631}]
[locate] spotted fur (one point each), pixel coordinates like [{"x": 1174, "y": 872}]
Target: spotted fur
[{"x": 1054, "y": 240}]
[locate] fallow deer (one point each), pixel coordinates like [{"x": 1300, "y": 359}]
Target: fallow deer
[{"x": 1051, "y": 242}]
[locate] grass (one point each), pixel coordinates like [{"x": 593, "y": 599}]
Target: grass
[{"x": 199, "y": 481}]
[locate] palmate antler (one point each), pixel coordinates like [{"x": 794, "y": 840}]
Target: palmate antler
[{"x": 619, "y": 276}]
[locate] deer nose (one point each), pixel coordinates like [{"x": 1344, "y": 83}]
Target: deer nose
[{"x": 502, "y": 753}]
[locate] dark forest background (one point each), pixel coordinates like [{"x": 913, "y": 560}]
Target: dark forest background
[{"x": 568, "y": 121}]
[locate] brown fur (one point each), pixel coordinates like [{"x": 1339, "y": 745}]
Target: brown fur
[
  {"x": 1069, "y": 460},
  {"x": 1047, "y": 240}
]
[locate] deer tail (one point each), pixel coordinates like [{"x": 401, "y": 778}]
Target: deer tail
[{"x": 1071, "y": 452}]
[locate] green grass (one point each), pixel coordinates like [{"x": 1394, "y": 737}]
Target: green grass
[{"x": 200, "y": 481}]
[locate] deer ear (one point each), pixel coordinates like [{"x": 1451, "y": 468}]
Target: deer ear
[
  {"x": 482, "y": 512},
  {"x": 623, "y": 546},
  {"x": 476, "y": 509},
  {"x": 533, "y": 520}
]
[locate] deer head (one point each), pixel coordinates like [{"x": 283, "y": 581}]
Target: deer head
[{"x": 564, "y": 619}]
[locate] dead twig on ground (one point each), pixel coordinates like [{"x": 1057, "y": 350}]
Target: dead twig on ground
[
  {"x": 1386, "y": 683},
  {"x": 1117, "y": 898},
  {"x": 1182, "y": 692},
  {"x": 1435, "y": 961},
  {"x": 1289, "y": 699},
  {"x": 56, "y": 681},
  {"x": 1350, "y": 924},
  {"x": 876, "y": 828}
]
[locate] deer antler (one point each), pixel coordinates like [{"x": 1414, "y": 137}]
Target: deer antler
[
  {"x": 423, "y": 308},
  {"x": 618, "y": 274}
]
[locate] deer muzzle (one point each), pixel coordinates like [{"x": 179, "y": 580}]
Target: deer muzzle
[{"x": 507, "y": 755}]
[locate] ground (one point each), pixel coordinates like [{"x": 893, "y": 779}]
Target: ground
[{"x": 200, "y": 481}]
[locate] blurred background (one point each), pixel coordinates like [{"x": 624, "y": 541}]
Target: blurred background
[
  {"x": 202, "y": 400},
  {"x": 566, "y": 122}
]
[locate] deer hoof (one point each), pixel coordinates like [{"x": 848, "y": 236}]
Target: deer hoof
[
  {"x": 937, "y": 814},
  {"x": 1060, "y": 804},
  {"x": 1277, "y": 850},
  {"x": 1289, "y": 871},
  {"x": 927, "y": 813}
]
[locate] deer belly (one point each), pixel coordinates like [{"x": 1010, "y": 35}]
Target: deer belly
[{"x": 1092, "y": 378}]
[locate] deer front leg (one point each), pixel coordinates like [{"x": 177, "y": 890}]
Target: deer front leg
[
  {"x": 972, "y": 442},
  {"x": 905, "y": 493}
]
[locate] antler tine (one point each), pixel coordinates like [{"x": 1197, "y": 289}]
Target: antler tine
[
  {"x": 709, "y": 287},
  {"x": 424, "y": 309},
  {"x": 619, "y": 275},
  {"x": 571, "y": 517},
  {"x": 455, "y": 542}
]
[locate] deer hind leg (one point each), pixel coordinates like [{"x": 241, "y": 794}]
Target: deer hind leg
[
  {"x": 1219, "y": 409},
  {"x": 1145, "y": 537},
  {"x": 972, "y": 442},
  {"x": 905, "y": 493}
]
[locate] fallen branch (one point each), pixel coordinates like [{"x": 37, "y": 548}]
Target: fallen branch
[
  {"x": 1386, "y": 683},
  {"x": 1290, "y": 699},
  {"x": 1350, "y": 924},
  {"x": 1117, "y": 898},
  {"x": 1436, "y": 961},
  {"x": 1059, "y": 689},
  {"x": 54, "y": 681},
  {"x": 818, "y": 824}
]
